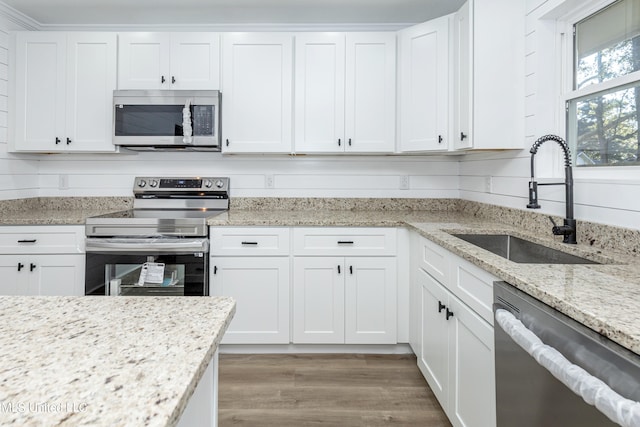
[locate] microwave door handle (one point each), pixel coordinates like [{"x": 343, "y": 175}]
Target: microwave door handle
[{"x": 593, "y": 390}]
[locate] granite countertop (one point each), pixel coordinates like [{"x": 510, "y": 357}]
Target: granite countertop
[
  {"x": 103, "y": 361},
  {"x": 605, "y": 298},
  {"x": 51, "y": 216}
]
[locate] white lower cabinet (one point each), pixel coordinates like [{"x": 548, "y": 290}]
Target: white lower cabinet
[
  {"x": 453, "y": 343},
  {"x": 42, "y": 260},
  {"x": 348, "y": 300},
  {"x": 61, "y": 275},
  {"x": 344, "y": 285},
  {"x": 260, "y": 286},
  {"x": 251, "y": 264}
]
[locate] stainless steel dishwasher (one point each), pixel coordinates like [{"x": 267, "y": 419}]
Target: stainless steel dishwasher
[{"x": 548, "y": 366}]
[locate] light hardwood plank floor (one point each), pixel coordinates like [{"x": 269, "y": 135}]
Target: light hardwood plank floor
[{"x": 325, "y": 390}]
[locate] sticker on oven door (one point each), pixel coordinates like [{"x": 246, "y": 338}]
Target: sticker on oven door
[{"x": 151, "y": 272}]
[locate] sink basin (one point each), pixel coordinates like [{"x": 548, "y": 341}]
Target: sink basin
[{"x": 521, "y": 251}]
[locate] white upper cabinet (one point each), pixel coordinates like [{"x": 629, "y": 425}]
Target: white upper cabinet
[
  {"x": 169, "y": 61},
  {"x": 489, "y": 75},
  {"x": 257, "y": 86},
  {"x": 424, "y": 86},
  {"x": 319, "y": 92},
  {"x": 64, "y": 84},
  {"x": 345, "y": 92},
  {"x": 370, "y": 92}
]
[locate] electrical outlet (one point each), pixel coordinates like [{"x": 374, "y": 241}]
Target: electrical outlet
[
  {"x": 404, "y": 182},
  {"x": 268, "y": 181},
  {"x": 63, "y": 182}
]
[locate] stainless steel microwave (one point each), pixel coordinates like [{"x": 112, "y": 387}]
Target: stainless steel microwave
[{"x": 157, "y": 120}]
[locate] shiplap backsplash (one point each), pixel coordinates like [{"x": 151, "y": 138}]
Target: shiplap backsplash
[{"x": 295, "y": 176}]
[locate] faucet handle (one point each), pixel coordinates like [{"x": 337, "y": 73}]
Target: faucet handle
[{"x": 556, "y": 230}]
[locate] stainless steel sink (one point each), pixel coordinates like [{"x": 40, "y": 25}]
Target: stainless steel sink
[{"x": 521, "y": 251}]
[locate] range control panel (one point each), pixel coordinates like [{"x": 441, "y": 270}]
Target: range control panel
[{"x": 180, "y": 184}]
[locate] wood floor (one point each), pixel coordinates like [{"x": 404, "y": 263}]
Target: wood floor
[{"x": 325, "y": 390}]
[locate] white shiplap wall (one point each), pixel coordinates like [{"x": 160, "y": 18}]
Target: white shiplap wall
[
  {"x": 501, "y": 178},
  {"x": 295, "y": 176},
  {"x": 18, "y": 177}
]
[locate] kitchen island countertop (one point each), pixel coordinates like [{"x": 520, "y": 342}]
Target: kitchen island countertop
[{"x": 105, "y": 361}]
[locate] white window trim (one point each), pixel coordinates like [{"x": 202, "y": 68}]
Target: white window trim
[{"x": 565, "y": 44}]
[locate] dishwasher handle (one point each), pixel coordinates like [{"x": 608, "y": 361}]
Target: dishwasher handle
[{"x": 594, "y": 391}]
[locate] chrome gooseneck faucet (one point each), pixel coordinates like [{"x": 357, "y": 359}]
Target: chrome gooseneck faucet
[{"x": 568, "y": 229}]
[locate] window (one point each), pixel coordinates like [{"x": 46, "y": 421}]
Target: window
[{"x": 603, "y": 110}]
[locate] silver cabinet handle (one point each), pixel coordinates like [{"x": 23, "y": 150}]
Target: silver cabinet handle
[{"x": 594, "y": 391}]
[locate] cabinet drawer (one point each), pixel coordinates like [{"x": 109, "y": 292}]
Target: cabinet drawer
[
  {"x": 434, "y": 260},
  {"x": 474, "y": 287},
  {"x": 344, "y": 241},
  {"x": 238, "y": 241},
  {"x": 41, "y": 239}
]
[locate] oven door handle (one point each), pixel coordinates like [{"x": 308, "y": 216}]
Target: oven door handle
[
  {"x": 594, "y": 391},
  {"x": 147, "y": 245}
]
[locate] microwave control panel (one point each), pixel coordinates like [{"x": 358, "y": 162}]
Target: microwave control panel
[{"x": 203, "y": 120}]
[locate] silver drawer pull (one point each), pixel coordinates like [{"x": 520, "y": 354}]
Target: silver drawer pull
[
  {"x": 250, "y": 243},
  {"x": 345, "y": 242},
  {"x": 27, "y": 241}
]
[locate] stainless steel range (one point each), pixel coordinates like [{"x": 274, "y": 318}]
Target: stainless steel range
[{"x": 161, "y": 246}]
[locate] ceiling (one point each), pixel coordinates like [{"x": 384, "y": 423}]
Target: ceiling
[{"x": 230, "y": 12}]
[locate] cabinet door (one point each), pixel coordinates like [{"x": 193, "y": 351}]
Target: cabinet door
[
  {"x": 318, "y": 300},
  {"x": 91, "y": 79},
  {"x": 257, "y": 87},
  {"x": 424, "y": 86},
  {"x": 14, "y": 281},
  {"x": 463, "y": 63},
  {"x": 370, "y": 96},
  {"x": 370, "y": 301},
  {"x": 143, "y": 61},
  {"x": 472, "y": 383},
  {"x": 319, "y": 94},
  {"x": 40, "y": 91},
  {"x": 56, "y": 274},
  {"x": 195, "y": 61},
  {"x": 434, "y": 362},
  {"x": 260, "y": 286}
]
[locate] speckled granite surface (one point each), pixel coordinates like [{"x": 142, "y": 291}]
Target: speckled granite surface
[
  {"x": 59, "y": 210},
  {"x": 603, "y": 297},
  {"x": 100, "y": 361}
]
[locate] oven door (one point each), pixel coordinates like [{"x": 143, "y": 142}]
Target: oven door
[{"x": 115, "y": 266}]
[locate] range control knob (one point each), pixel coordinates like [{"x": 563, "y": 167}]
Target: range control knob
[
  {"x": 142, "y": 183},
  {"x": 219, "y": 183},
  {"x": 208, "y": 183},
  {"x": 153, "y": 183}
]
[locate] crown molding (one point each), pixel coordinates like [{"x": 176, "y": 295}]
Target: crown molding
[
  {"x": 18, "y": 19},
  {"x": 239, "y": 27}
]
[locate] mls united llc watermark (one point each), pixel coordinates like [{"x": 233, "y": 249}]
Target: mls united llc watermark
[{"x": 48, "y": 407}]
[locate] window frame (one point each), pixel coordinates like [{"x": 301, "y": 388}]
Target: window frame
[{"x": 568, "y": 93}]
